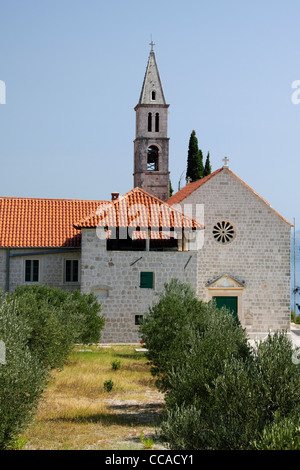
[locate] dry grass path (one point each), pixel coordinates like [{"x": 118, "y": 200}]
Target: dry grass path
[{"x": 77, "y": 412}]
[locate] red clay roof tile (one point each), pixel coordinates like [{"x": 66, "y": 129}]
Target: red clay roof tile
[
  {"x": 34, "y": 222},
  {"x": 137, "y": 208}
]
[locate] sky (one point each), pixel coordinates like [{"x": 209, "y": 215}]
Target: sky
[{"x": 73, "y": 71}]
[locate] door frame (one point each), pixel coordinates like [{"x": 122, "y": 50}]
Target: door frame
[{"x": 228, "y": 292}]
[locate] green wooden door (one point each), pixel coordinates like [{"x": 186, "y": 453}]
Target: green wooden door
[{"x": 229, "y": 302}]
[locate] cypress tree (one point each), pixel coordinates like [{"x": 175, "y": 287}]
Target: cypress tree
[
  {"x": 200, "y": 169},
  {"x": 195, "y": 159},
  {"x": 171, "y": 189},
  {"x": 207, "y": 168}
]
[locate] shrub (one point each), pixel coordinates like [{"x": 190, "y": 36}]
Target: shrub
[
  {"x": 39, "y": 326},
  {"x": 116, "y": 364},
  {"x": 57, "y": 320},
  {"x": 22, "y": 378},
  {"x": 220, "y": 394},
  {"x": 87, "y": 308},
  {"x": 281, "y": 434},
  {"x": 147, "y": 443},
  {"x": 108, "y": 385},
  {"x": 212, "y": 408},
  {"x": 182, "y": 429},
  {"x": 278, "y": 377},
  {"x": 178, "y": 323}
]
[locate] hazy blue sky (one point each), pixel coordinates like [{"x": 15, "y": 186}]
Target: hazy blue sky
[{"x": 74, "y": 69}]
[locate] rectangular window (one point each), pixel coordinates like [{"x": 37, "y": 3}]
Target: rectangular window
[
  {"x": 71, "y": 270},
  {"x": 138, "y": 319},
  {"x": 32, "y": 270},
  {"x": 146, "y": 280}
]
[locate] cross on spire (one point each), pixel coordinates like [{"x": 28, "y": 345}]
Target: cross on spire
[
  {"x": 225, "y": 160},
  {"x": 152, "y": 44}
]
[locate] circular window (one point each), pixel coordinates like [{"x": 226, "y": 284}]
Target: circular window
[{"x": 223, "y": 232}]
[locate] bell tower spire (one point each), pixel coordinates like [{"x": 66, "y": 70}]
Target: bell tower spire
[{"x": 151, "y": 145}]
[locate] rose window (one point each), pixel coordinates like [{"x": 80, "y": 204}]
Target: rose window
[{"x": 223, "y": 232}]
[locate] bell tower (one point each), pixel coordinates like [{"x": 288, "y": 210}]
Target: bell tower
[{"x": 151, "y": 144}]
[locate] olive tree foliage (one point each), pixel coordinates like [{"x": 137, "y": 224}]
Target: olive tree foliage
[
  {"x": 220, "y": 393},
  {"x": 39, "y": 326},
  {"x": 22, "y": 378},
  {"x": 172, "y": 329},
  {"x": 58, "y": 320}
]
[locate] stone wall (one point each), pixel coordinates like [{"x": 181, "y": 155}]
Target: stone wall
[
  {"x": 154, "y": 182},
  {"x": 2, "y": 269},
  {"x": 51, "y": 268},
  {"x": 259, "y": 254},
  {"x": 115, "y": 277},
  {"x": 142, "y": 120}
]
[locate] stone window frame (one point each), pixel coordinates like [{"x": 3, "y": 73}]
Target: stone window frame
[
  {"x": 227, "y": 285},
  {"x": 228, "y": 292}
]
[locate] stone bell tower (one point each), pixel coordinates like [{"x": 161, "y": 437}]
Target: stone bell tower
[{"x": 151, "y": 144}]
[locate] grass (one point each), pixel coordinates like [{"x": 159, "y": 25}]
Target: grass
[{"x": 77, "y": 412}]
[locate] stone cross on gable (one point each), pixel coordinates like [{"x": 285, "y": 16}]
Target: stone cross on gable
[
  {"x": 225, "y": 160},
  {"x": 152, "y": 44}
]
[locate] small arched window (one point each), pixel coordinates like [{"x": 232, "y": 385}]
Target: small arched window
[
  {"x": 152, "y": 158},
  {"x": 153, "y": 95},
  {"x": 157, "y": 122},
  {"x": 149, "y": 122}
]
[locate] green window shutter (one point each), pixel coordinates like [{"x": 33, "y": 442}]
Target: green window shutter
[{"x": 146, "y": 280}]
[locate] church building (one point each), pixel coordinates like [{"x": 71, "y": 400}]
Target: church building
[{"x": 217, "y": 234}]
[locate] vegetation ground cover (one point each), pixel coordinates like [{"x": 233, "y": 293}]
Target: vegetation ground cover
[{"x": 78, "y": 413}]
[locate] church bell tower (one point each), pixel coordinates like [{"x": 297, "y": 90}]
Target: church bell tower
[{"x": 151, "y": 144}]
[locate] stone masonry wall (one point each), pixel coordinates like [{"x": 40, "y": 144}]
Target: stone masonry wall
[
  {"x": 2, "y": 270},
  {"x": 259, "y": 254},
  {"x": 51, "y": 269},
  {"x": 117, "y": 276}
]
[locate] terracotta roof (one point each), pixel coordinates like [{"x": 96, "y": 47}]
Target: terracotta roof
[
  {"x": 138, "y": 209},
  {"x": 33, "y": 222},
  {"x": 191, "y": 187}
]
